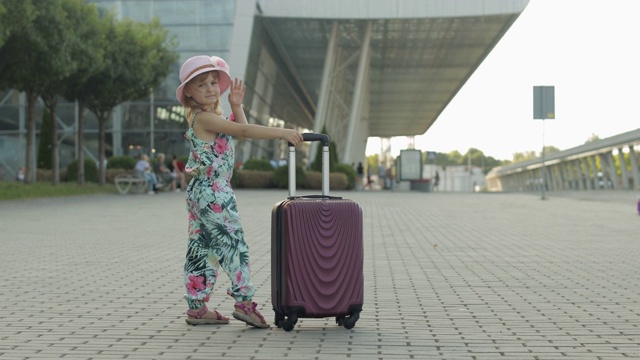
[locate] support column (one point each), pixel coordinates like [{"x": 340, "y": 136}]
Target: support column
[
  {"x": 520, "y": 182},
  {"x": 571, "y": 175},
  {"x": 633, "y": 157},
  {"x": 573, "y": 183},
  {"x": 613, "y": 174},
  {"x": 605, "y": 170},
  {"x": 557, "y": 178},
  {"x": 358, "y": 95},
  {"x": 592, "y": 173},
  {"x": 514, "y": 182},
  {"x": 325, "y": 87},
  {"x": 505, "y": 182},
  {"x": 576, "y": 175},
  {"x": 563, "y": 168},
  {"x": 560, "y": 179},
  {"x": 547, "y": 180},
  {"x": 551, "y": 174},
  {"x": 525, "y": 184},
  {"x": 584, "y": 174},
  {"x": 623, "y": 170},
  {"x": 22, "y": 101}
]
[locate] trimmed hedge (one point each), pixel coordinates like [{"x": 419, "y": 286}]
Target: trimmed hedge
[
  {"x": 350, "y": 173},
  {"x": 337, "y": 181},
  {"x": 121, "y": 162},
  {"x": 281, "y": 177},
  {"x": 90, "y": 171},
  {"x": 255, "y": 179}
]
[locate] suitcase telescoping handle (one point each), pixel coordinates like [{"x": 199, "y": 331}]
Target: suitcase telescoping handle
[{"x": 324, "y": 139}]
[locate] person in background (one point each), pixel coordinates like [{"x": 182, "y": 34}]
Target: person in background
[
  {"x": 142, "y": 169},
  {"x": 177, "y": 167},
  {"x": 20, "y": 174},
  {"x": 163, "y": 172},
  {"x": 360, "y": 171},
  {"x": 381, "y": 174}
]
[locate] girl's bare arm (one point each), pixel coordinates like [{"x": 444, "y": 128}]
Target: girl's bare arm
[{"x": 214, "y": 124}]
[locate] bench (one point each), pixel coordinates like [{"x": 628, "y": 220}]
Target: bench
[{"x": 128, "y": 182}]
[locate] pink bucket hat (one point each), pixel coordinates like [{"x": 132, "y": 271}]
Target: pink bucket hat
[{"x": 199, "y": 64}]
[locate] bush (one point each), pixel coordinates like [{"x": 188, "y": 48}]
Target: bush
[
  {"x": 350, "y": 172},
  {"x": 316, "y": 165},
  {"x": 257, "y": 164},
  {"x": 281, "y": 177},
  {"x": 90, "y": 171},
  {"x": 255, "y": 179},
  {"x": 121, "y": 162},
  {"x": 337, "y": 181}
]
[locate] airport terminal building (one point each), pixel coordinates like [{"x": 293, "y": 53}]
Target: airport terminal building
[{"x": 357, "y": 68}]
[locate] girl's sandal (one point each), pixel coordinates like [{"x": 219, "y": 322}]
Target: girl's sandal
[
  {"x": 243, "y": 313},
  {"x": 195, "y": 317}
]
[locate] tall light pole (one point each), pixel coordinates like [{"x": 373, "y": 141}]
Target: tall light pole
[{"x": 543, "y": 108}]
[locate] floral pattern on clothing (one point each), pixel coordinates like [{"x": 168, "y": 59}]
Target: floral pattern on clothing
[{"x": 216, "y": 237}]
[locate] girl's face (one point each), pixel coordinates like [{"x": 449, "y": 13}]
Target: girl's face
[{"x": 204, "y": 89}]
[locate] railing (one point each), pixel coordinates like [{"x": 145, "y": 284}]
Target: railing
[{"x": 610, "y": 163}]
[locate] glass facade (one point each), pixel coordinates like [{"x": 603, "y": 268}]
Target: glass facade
[{"x": 156, "y": 124}]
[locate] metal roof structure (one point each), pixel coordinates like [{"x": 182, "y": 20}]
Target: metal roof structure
[{"x": 422, "y": 52}]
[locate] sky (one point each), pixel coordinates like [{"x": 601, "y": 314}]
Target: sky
[{"x": 586, "y": 49}]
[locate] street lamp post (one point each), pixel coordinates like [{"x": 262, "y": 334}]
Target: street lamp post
[{"x": 543, "y": 108}]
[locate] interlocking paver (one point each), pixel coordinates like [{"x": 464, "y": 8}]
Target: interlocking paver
[{"x": 447, "y": 276}]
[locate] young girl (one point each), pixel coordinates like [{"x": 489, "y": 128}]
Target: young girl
[{"x": 216, "y": 238}]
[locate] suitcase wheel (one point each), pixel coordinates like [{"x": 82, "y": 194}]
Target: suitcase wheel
[
  {"x": 287, "y": 324},
  {"x": 348, "y": 321},
  {"x": 279, "y": 320},
  {"x": 290, "y": 323}
]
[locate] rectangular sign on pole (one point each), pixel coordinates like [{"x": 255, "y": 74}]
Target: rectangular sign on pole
[
  {"x": 410, "y": 164},
  {"x": 544, "y": 106}
]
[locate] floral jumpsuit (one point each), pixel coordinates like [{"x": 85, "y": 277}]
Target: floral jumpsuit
[{"x": 216, "y": 238}]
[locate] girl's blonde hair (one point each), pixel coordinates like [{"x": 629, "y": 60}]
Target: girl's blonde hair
[{"x": 191, "y": 106}]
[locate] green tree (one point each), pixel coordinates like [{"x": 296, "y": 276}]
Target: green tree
[
  {"x": 91, "y": 38},
  {"x": 4, "y": 22},
  {"x": 524, "y": 156},
  {"x": 372, "y": 164},
  {"x": 66, "y": 23},
  {"x": 550, "y": 150},
  {"x": 29, "y": 59},
  {"x": 455, "y": 158},
  {"x": 491, "y": 162},
  {"x": 592, "y": 138},
  {"x": 137, "y": 58}
]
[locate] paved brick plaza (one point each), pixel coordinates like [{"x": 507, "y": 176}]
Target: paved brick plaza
[{"x": 447, "y": 276}]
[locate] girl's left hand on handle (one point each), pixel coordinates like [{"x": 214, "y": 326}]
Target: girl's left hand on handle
[{"x": 292, "y": 136}]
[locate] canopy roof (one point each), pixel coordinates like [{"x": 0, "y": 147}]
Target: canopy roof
[{"x": 417, "y": 64}]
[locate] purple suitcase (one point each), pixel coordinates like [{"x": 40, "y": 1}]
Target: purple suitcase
[{"x": 316, "y": 253}]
